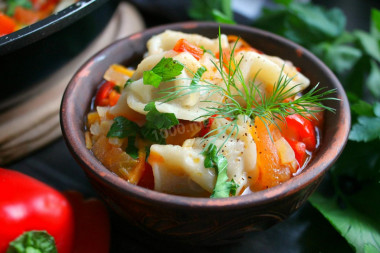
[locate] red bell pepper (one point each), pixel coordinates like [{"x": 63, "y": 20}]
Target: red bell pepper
[
  {"x": 102, "y": 97},
  {"x": 300, "y": 129},
  {"x": 7, "y": 24},
  {"x": 27, "y": 204},
  {"x": 92, "y": 226},
  {"x": 206, "y": 126},
  {"x": 299, "y": 149},
  {"x": 147, "y": 179},
  {"x": 183, "y": 45}
]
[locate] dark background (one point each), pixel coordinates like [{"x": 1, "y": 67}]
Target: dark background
[{"x": 305, "y": 231}]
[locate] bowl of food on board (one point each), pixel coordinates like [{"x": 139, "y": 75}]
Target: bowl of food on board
[{"x": 201, "y": 132}]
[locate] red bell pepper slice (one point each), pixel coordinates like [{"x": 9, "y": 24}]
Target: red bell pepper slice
[
  {"x": 183, "y": 45},
  {"x": 102, "y": 96},
  {"x": 7, "y": 25},
  {"x": 299, "y": 149},
  {"x": 300, "y": 129},
  {"x": 92, "y": 225}
]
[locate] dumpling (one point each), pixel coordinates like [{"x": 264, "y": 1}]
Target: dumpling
[
  {"x": 165, "y": 41},
  {"x": 266, "y": 70},
  {"x": 184, "y": 165},
  {"x": 186, "y": 107}
]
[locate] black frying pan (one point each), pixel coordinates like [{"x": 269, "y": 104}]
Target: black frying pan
[{"x": 32, "y": 53}]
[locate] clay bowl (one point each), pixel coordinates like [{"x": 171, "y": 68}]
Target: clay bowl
[{"x": 202, "y": 220}]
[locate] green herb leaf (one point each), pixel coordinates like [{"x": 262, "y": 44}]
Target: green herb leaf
[
  {"x": 132, "y": 150},
  {"x": 359, "y": 229},
  {"x": 158, "y": 120},
  {"x": 367, "y": 129},
  {"x": 362, "y": 108},
  {"x": 223, "y": 188},
  {"x": 211, "y": 10},
  {"x": 12, "y": 4},
  {"x": 122, "y": 128},
  {"x": 197, "y": 76},
  {"x": 221, "y": 17},
  {"x": 151, "y": 78},
  {"x": 33, "y": 242},
  {"x": 128, "y": 82},
  {"x": 369, "y": 44},
  {"x": 207, "y": 51},
  {"x": 373, "y": 82},
  {"x": 165, "y": 70}
]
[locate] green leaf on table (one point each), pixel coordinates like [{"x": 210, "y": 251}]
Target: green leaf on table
[
  {"x": 362, "y": 108},
  {"x": 211, "y": 10},
  {"x": 122, "y": 128},
  {"x": 331, "y": 23},
  {"x": 33, "y": 242},
  {"x": 165, "y": 70},
  {"x": 375, "y": 23},
  {"x": 221, "y": 17},
  {"x": 283, "y": 2},
  {"x": 369, "y": 44},
  {"x": 340, "y": 58},
  {"x": 373, "y": 80},
  {"x": 366, "y": 129},
  {"x": 359, "y": 229}
]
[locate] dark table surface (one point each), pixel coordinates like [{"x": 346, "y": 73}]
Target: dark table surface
[{"x": 305, "y": 231}]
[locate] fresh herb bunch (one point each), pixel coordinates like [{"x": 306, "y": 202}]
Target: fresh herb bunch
[{"x": 354, "y": 205}]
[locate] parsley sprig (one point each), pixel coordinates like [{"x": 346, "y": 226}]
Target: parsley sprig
[{"x": 152, "y": 130}]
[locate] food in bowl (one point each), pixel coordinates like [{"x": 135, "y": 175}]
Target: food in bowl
[
  {"x": 16, "y": 14},
  {"x": 205, "y": 117}
]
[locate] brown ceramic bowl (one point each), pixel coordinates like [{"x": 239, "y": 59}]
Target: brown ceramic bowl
[{"x": 202, "y": 220}]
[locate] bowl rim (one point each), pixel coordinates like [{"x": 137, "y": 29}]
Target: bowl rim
[
  {"x": 43, "y": 28},
  {"x": 91, "y": 165}
]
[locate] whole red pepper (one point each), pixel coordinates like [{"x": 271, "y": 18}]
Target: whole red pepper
[{"x": 27, "y": 204}]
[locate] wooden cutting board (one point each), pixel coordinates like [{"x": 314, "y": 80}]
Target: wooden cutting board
[{"x": 34, "y": 122}]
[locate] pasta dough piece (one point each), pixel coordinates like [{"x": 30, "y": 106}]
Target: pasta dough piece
[
  {"x": 185, "y": 164},
  {"x": 187, "y": 107},
  {"x": 266, "y": 70},
  {"x": 165, "y": 41}
]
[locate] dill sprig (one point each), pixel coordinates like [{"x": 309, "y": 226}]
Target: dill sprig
[{"x": 242, "y": 98}]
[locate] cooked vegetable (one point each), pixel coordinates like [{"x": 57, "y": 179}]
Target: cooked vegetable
[
  {"x": 27, "y": 204},
  {"x": 213, "y": 127},
  {"x": 19, "y": 13}
]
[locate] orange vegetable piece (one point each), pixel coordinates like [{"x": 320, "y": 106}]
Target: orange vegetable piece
[
  {"x": 183, "y": 131},
  {"x": 7, "y": 25},
  {"x": 183, "y": 45},
  {"x": 25, "y": 16},
  {"x": 271, "y": 173}
]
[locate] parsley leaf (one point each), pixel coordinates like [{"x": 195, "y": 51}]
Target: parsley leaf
[
  {"x": 197, "y": 76},
  {"x": 165, "y": 70},
  {"x": 158, "y": 120},
  {"x": 151, "y": 78},
  {"x": 223, "y": 188},
  {"x": 12, "y": 4},
  {"x": 128, "y": 82},
  {"x": 358, "y": 227},
  {"x": 122, "y": 128},
  {"x": 207, "y": 51},
  {"x": 213, "y": 10},
  {"x": 131, "y": 149}
]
